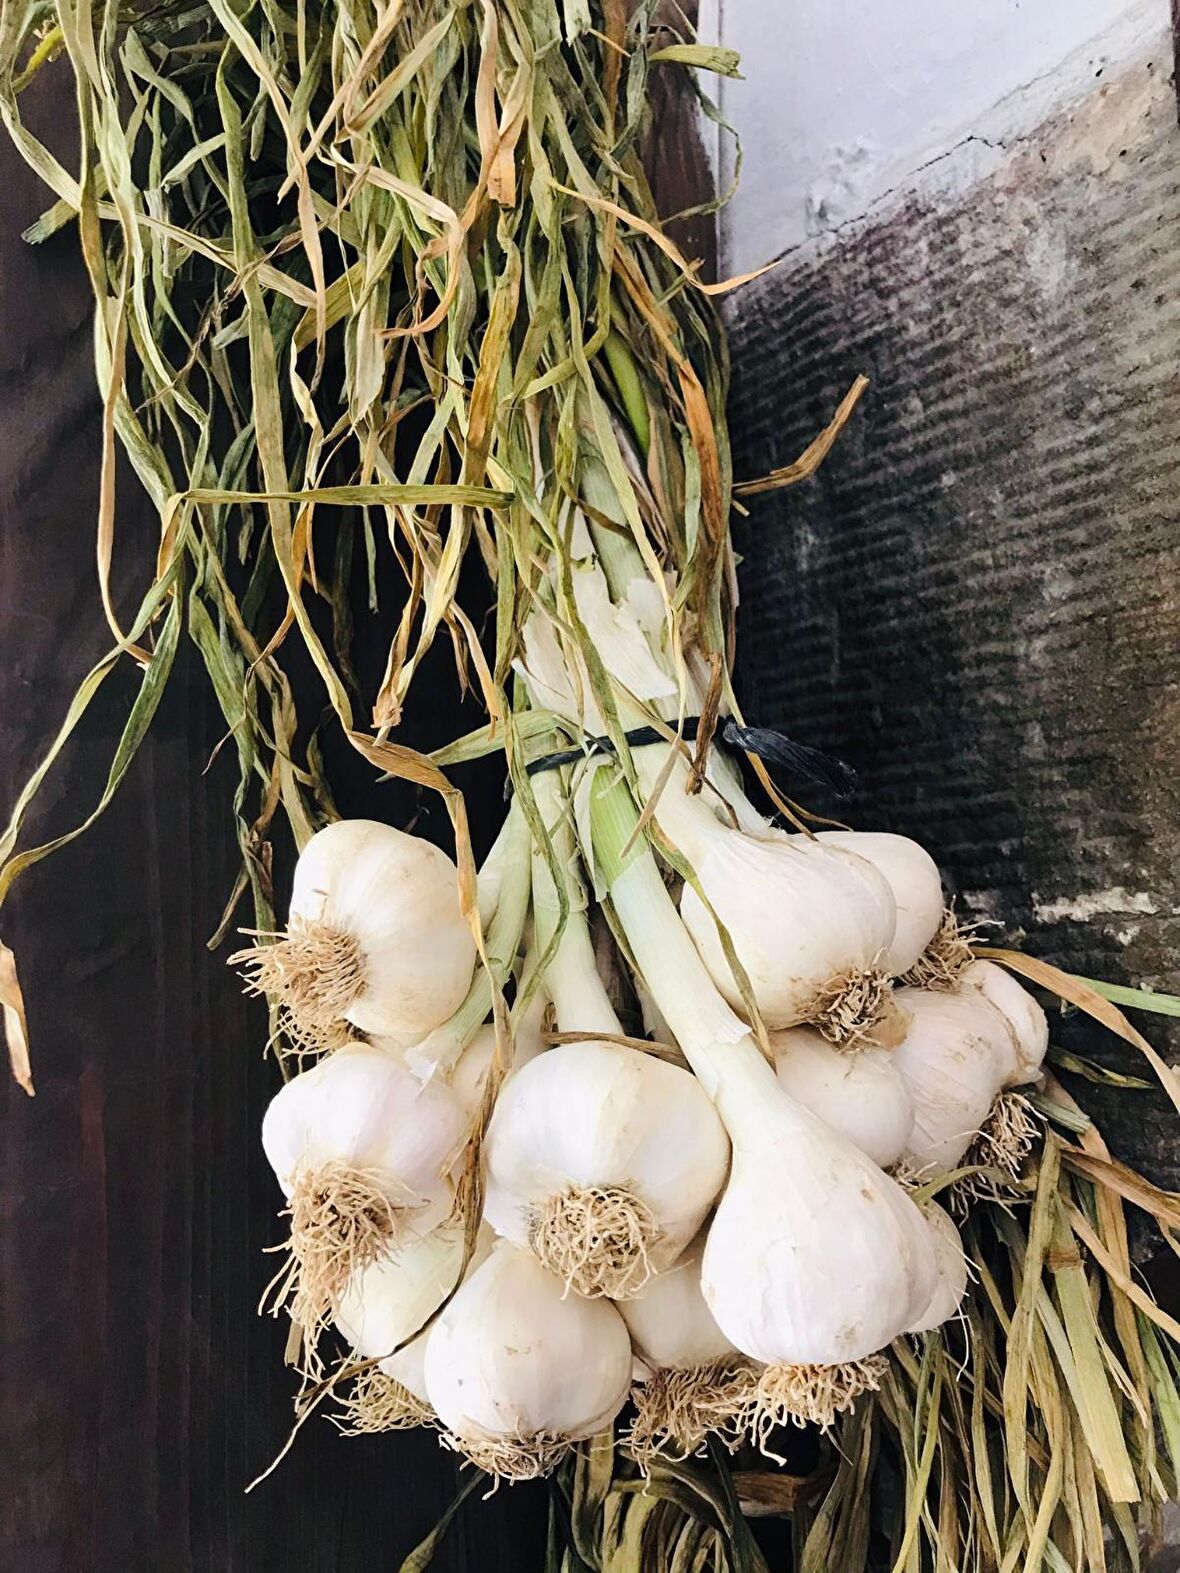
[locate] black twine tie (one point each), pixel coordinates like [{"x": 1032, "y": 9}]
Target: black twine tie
[{"x": 773, "y": 747}]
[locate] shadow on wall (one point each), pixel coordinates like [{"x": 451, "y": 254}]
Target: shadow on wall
[{"x": 977, "y": 602}]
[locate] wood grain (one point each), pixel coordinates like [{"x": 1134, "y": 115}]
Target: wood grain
[{"x": 139, "y": 1392}]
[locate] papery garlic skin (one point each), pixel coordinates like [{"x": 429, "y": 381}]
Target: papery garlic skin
[
  {"x": 826, "y": 1262},
  {"x": 956, "y": 1055},
  {"x": 397, "y": 896},
  {"x": 670, "y": 1323},
  {"x": 952, "y": 1270},
  {"x": 1028, "y": 1023},
  {"x": 860, "y": 1095},
  {"x": 363, "y": 1108},
  {"x": 598, "y": 1115},
  {"x": 916, "y": 884},
  {"x": 515, "y": 1356}
]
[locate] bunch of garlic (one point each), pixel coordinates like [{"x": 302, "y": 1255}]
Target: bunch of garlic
[{"x": 717, "y": 1239}]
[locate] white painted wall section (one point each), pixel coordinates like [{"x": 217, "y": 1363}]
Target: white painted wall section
[{"x": 846, "y": 101}]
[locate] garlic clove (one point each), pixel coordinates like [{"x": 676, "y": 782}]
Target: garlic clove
[
  {"x": 1027, "y": 1021},
  {"x": 859, "y": 1094},
  {"x": 913, "y": 877}
]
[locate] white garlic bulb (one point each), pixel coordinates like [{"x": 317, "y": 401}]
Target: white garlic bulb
[
  {"x": 1028, "y": 1023},
  {"x": 859, "y": 1094},
  {"x": 515, "y": 1364},
  {"x": 916, "y": 884},
  {"x": 957, "y": 1053},
  {"x": 804, "y": 918},
  {"x": 669, "y": 1321},
  {"x": 376, "y": 937},
  {"x": 362, "y": 1111},
  {"x": 600, "y": 1148},
  {"x": 385, "y": 1303},
  {"x": 814, "y": 1256},
  {"x": 389, "y": 1300},
  {"x": 952, "y": 1270}
]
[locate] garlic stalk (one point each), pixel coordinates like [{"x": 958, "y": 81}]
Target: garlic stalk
[
  {"x": 958, "y": 1051},
  {"x": 508, "y": 886},
  {"x": 811, "y": 923},
  {"x": 602, "y": 1159},
  {"x": 815, "y": 1258},
  {"x": 861, "y": 1096},
  {"x": 517, "y": 1369},
  {"x": 360, "y": 1147},
  {"x": 375, "y": 938},
  {"x": 694, "y": 1384}
]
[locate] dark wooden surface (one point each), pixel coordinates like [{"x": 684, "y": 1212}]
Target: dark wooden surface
[{"x": 139, "y": 1392}]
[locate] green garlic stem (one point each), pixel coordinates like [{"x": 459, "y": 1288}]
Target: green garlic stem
[
  {"x": 442, "y": 1048},
  {"x": 571, "y": 976},
  {"x": 715, "y": 1041}
]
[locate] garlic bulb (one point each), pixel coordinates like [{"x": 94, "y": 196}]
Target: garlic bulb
[
  {"x": 693, "y": 1383},
  {"x": 382, "y": 1306},
  {"x": 375, "y": 938},
  {"x": 1027, "y": 1021},
  {"x": 810, "y": 923},
  {"x": 605, "y": 1161},
  {"x": 517, "y": 1368},
  {"x": 669, "y": 1321},
  {"x": 359, "y": 1146},
  {"x": 957, "y": 1053},
  {"x": 916, "y": 884},
  {"x": 860, "y": 1095},
  {"x": 952, "y": 1270},
  {"x": 814, "y": 1255}
]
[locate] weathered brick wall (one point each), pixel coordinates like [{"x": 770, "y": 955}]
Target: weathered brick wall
[{"x": 976, "y": 601}]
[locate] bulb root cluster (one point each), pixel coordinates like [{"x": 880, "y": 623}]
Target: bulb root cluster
[
  {"x": 1001, "y": 1148},
  {"x": 342, "y": 1219},
  {"x": 676, "y": 1411},
  {"x": 379, "y": 1402},
  {"x": 942, "y": 963},
  {"x": 313, "y": 972},
  {"x": 511, "y": 1457},
  {"x": 596, "y": 1239},
  {"x": 852, "y": 1009},
  {"x": 802, "y": 1395}
]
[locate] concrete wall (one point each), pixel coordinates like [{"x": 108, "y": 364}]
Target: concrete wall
[
  {"x": 977, "y": 600},
  {"x": 844, "y": 104}
]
